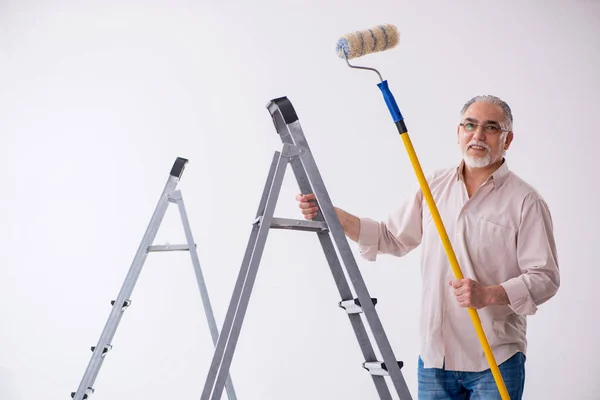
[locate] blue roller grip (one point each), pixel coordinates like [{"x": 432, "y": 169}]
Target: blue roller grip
[
  {"x": 390, "y": 101},
  {"x": 392, "y": 106}
]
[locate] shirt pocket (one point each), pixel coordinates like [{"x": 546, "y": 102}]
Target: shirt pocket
[{"x": 493, "y": 247}]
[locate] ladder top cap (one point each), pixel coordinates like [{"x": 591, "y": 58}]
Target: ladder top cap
[
  {"x": 285, "y": 107},
  {"x": 178, "y": 167}
]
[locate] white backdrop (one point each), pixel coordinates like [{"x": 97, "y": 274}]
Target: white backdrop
[{"x": 97, "y": 100}]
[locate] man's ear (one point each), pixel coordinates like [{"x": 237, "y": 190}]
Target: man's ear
[{"x": 509, "y": 140}]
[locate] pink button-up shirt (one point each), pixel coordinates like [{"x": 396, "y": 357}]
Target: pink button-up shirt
[{"x": 502, "y": 235}]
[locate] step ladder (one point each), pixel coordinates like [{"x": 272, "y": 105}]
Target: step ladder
[
  {"x": 169, "y": 195},
  {"x": 296, "y": 152}
]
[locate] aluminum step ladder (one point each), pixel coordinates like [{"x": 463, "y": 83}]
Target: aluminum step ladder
[
  {"x": 296, "y": 152},
  {"x": 170, "y": 194}
]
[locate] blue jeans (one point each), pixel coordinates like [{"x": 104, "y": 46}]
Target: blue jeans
[{"x": 442, "y": 384}]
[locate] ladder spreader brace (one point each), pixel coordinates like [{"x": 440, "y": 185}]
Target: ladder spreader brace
[
  {"x": 169, "y": 195},
  {"x": 296, "y": 152}
]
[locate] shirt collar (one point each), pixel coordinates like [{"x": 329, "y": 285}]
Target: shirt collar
[{"x": 498, "y": 177}]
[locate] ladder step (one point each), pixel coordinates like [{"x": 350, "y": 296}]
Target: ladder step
[
  {"x": 169, "y": 247},
  {"x": 89, "y": 391},
  {"x": 126, "y": 304},
  {"x": 299, "y": 225},
  {"x": 107, "y": 348},
  {"x": 378, "y": 367},
  {"x": 353, "y": 306}
]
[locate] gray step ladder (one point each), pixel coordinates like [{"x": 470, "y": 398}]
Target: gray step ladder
[
  {"x": 123, "y": 301},
  {"x": 296, "y": 152}
]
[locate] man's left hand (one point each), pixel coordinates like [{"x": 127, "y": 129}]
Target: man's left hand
[{"x": 470, "y": 293}]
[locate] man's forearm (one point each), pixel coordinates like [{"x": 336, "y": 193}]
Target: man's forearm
[{"x": 350, "y": 223}]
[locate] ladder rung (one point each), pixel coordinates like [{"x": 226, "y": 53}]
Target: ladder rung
[
  {"x": 126, "y": 304},
  {"x": 107, "y": 348},
  {"x": 298, "y": 224},
  {"x": 169, "y": 247},
  {"x": 353, "y": 306},
  {"x": 88, "y": 391},
  {"x": 378, "y": 367}
]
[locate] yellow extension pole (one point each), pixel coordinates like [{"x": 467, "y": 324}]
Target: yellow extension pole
[{"x": 453, "y": 262}]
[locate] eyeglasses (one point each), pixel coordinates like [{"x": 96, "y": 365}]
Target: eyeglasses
[{"x": 487, "y": 128}]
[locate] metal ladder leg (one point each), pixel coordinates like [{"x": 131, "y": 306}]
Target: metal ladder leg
[
  {"x": 214, "y": 332},
  {"x": 168, "y": 195},
  {"x": 334, "y": 264},
  {"x": 310, "y": 181},
  {"x": 232, "y": 323},
  {"x": 122, "y": 302}
]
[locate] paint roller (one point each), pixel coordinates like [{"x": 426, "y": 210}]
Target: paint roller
[{"x": 381, "y": 38}]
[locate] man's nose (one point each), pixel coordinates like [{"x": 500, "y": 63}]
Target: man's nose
[{"x": 479, "y": 133}]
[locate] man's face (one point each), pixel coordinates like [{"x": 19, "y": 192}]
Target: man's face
[{"x": 481, "y": 139}]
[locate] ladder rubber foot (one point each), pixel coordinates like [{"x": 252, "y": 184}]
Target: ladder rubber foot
[
  {"x": 353, "y": 306},
  {"x": 378, "y": 367}
]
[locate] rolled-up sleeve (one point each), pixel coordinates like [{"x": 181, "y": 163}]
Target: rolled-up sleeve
[
  {"x": 368, "y": 238},
  {"x": 538, "y": 261},
  {"x": 398, "y": 235}
]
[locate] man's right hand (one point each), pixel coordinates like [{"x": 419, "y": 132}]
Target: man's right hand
[
  {"x": 350, "y": 223},
  {"x": 308, "y": 205}
]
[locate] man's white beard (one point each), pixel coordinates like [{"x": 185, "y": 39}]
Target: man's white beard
[{"x": 482, "y": 162}]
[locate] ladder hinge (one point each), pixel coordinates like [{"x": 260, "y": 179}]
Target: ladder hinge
[
  {"x": 175, "y": 196},
  {"x": 291, "y": 150}
]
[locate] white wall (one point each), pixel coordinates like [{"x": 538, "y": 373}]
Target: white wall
[{"x": 97, "y": 101}]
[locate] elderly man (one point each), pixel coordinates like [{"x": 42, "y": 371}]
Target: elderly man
[{"x": 501, "y": 230}]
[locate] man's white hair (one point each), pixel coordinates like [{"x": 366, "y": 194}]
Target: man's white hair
[{"x": 508, "y": 118}]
